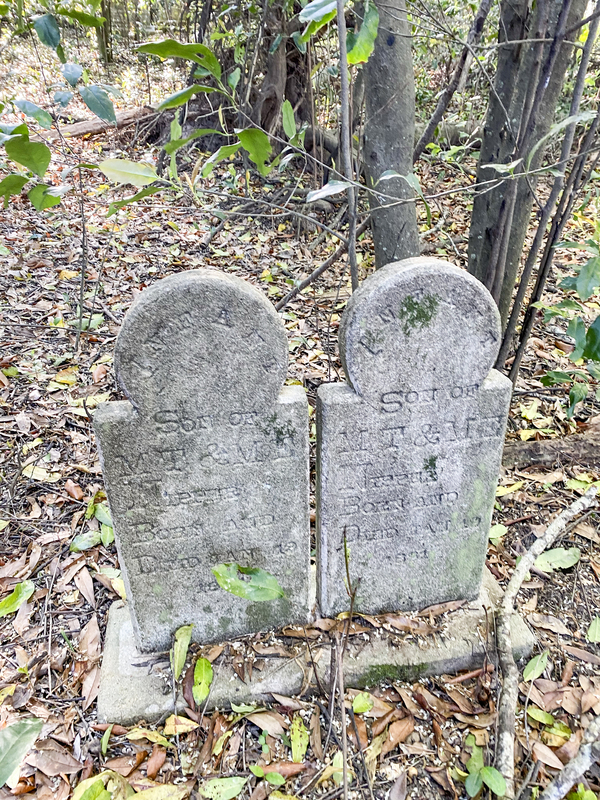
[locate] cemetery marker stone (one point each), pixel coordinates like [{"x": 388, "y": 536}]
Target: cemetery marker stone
[
  {"x": 409, "y": 450},
  {"x": 207, "y": 462}
]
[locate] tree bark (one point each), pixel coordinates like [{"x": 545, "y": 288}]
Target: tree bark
[
  {"x": 505, "y": 116},
  {"x": 390, "y": 135}
]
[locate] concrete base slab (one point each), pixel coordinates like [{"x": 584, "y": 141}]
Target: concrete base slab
[{"x": 137, "y": 686}]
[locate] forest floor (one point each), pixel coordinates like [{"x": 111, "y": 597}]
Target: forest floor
[{"x": 412, "y": 739}]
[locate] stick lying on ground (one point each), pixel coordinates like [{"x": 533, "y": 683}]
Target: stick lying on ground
[{"x": 505, "y": 747}]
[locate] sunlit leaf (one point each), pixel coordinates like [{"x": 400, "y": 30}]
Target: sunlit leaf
[
  {"x": 15, "y": 742},
  {"x": 535, "y": 667},
  {"x": 10, "y": 185},
  {"x": 152, "y": 736},
  {"x": 558, "y": 558},
  {"x": 21, "y": 594},
  {"x": 362, "y": 703},
  {"x": 593, "y": 632},
  {"x": 183, "y": 96},
  {"x": 257, "y": 145},
  {"x": 275, "y": 778},
  {"x": 289, "y": 121},
  {"x": 222, "y": 788},
  {"x": 225, "y": 151},
  {"x": 494, "y": 780},
  {"x": 35, "y": 156},
  {"x": 361, "y": 45},
  {"x": 88, "y": 20},
  {"x": 177, "y": 725},
  {"x": 261, "y": 586},
  {"x": 299, "y": 739},
  {"x": 183, "y": 636},
  {"x": 540, "y": 716},
  {"x": 122, "y": 170},
  {"x": 331, "y": 188},
  {"x": 203, "y": 675},
  {"x": 199, "y": 53},
  {"x": 316, "y": 10},
  {"x": 85, "y": 541}
]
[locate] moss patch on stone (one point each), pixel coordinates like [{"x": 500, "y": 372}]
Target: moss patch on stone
[
  {"x": 415, "y": 313},
  {"x": 379, "y": 673}
]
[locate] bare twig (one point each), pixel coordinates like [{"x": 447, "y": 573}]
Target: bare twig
[{"x": 505, "y": 751}]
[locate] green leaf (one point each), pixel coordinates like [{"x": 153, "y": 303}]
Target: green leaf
[
  {"x": 594, "y": 370},
  {"x": 35, "y": 112},
  {"x": 475, "y": 763},
  {"x": 494, "y": 780},
  {"x": 497, "y": 532},
  {"x": 234, "y": 78},
  {"x": 592, "y": 341},
  {"x": 183, "y": 96},
  {"x": 96, "y": 790},
  {"x": 261, "y": 587},
  {"x": 84, "y": 541},
  {"x": 577, "y": 330},
  {"x": 107, "y": 533},
  {"x": 289, "y": 122},
  {"x": 317, "y": 10},
  {"x": 314, "y": 26},
  {"x": 257, "y": 145},
  {"x": 275, "y": 778},
  {"x": 98, "y": 102},
  {"x": 122, "y": 170},
  {"x": 40, "y": 197},
  {"x": 593, "y": 632},
  {"x": 221, "y": 154},
  {"x": 578, "y": 392},
  {"x": 199, "y": 53},
  {"x": 299, "y": 739},
  {"x": 10, "y": 185},
  {"x": 362, "y": 44},
  {"x": 21, "y": 593},
  {"x": 72, "y": 73},
  {"x": 104, "y": 743},
  {"x": 558, "y": 558},
  {"x": 35, "y": 156},
  {"x": 540, "y": 716},
  {"x": 47, "y": 30},
  {"x": 588, "y": 279},
  {"x": 114, "y": 207},
  {"x": 183, "y": 636},
  {"x": 174, "y": 145},
  {"x": 256, "y": 770},
  {"x": 473, "y": 784},
  {"x": 102, "y": 514},
  {"x": 222, "y": 788},
  {"x": 15, "y": 742},
  {"x": 553, "y": 377},
  {"x": 63, "y": 98},
  {"x": 362, "y": 703},
  {"x": 88, "y": 20},
  {"x": 535, "y": 667},
  {"x": 203, "y": 675}
]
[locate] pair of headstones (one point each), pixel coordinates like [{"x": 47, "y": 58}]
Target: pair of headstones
[{"x": 207, "y": 462}]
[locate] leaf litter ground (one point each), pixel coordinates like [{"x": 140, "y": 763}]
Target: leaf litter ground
[{"x": 404, "y": 739}]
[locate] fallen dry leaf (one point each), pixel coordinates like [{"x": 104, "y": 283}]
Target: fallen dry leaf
[
  {"x": 399, "y": 789},
  {"x": 547, "y": 756},
  {"x": 549, "y": 623},
  {"x": 156, "y": 761},
  {"x": 398, "y": 733},
  {"x": 270, "y": 721}
]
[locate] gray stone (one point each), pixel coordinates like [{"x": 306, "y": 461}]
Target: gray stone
[
  {"x": 135, "y": 686},
  {"x": 409, "y": 452},
  {"x": 207, "y": 462}
]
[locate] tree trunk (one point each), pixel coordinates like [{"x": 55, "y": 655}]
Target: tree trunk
[
  {"x": 390, "y": 135},
  {"x": 516, "y": 64}
]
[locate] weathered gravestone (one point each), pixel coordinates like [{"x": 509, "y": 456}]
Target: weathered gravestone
[
  {"x": 207, "y": 462},
  {"x": 409, "y": 451}
]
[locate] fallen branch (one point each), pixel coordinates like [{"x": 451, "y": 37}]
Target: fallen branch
[
  {"x": 581, "y": 448},
  {"x": 505, "y": 748},
  {"x": 96, "y": 126},
  {"x": 320, "y": 270},
  {"x": 577, "y": 766}
]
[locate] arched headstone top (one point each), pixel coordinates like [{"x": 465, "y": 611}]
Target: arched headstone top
[
  {"x": 205, "y": 337},
  {"x": 420, "y": 323}
]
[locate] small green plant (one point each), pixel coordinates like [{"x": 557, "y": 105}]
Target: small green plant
[
  {"x": 586, "y": 354},
  {"x": 581, "y": 793},
  {"x": 478, "y": 774}
]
